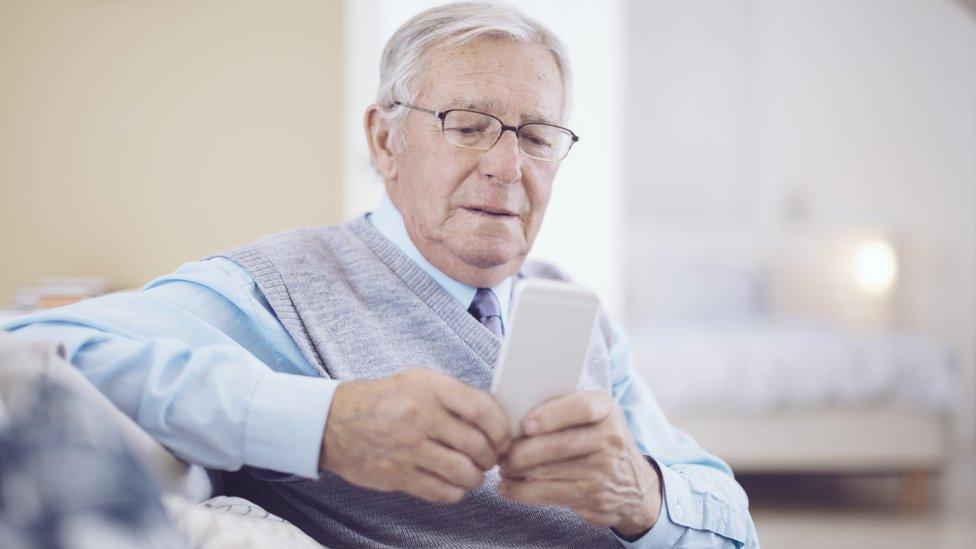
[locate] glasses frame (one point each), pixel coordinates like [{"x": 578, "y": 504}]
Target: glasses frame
[{"x": 442, "y": 115}]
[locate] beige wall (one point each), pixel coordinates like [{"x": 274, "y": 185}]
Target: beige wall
[{"x": 135, "y": 136}]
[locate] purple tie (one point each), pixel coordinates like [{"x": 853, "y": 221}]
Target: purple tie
[{"x": 487, "y": 310}]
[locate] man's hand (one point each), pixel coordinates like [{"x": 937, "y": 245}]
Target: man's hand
[
  {"x": 419, "y": 431},
  {"x": 577, "y": 451}
]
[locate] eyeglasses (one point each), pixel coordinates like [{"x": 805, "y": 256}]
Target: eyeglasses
[{"x": 480, "y": 131}]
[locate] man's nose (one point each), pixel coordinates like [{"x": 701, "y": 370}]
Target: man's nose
[{"x": 503, "y": 162}]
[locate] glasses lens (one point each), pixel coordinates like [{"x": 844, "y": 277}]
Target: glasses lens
[
  {"x": 544, "y": 141},
  {"x": 471, "y": 130}
]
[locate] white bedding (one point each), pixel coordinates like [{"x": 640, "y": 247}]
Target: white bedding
[{"x": 755, "y": 365}]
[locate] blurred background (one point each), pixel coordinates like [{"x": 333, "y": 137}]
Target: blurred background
[{"x": 776, "y": 198}]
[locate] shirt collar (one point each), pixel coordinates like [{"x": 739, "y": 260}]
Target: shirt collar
[{"x": 388, "y": 221}]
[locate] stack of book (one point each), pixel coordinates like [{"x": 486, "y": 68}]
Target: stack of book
[{"x": 56, "y": 291}]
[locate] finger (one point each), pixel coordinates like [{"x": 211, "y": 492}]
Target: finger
[
  {"x": 465, "y": 438},
  {"x": 430, "y": 487},
  {"x": 478, "y": 408},
  {"x": 450, "y": 465},
  {"x": 574, "y": 409},
  {"x": 567, "y": 444},
  {"x": 541, "y": 492},
  {"x": 567, "y": 469}
]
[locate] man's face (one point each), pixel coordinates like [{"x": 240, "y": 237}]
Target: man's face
[{"x": 475, "y": 214}]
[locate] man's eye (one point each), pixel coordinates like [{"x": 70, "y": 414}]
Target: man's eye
[
  {"x": 466, "y": 130},
  {"x": 538, "y": 142}
]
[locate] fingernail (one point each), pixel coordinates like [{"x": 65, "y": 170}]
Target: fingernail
[{"x": 530, "y": 427}]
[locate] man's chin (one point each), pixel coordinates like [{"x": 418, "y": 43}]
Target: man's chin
[{"x": 490, "y": 253}]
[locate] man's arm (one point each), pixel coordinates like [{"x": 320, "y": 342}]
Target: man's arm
[
  {"x": 703, "y": 505},
  {"x": 199, "y": 361}
]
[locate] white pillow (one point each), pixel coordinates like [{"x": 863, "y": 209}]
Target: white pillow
[{"x": 685, "y": 290}]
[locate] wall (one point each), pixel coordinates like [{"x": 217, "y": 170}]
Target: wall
[
  {"x": 135, "y": 136},
  {"x": 758, "y": 117}
]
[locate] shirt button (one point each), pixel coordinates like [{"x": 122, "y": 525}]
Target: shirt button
[{"x": 677, "y": 511}]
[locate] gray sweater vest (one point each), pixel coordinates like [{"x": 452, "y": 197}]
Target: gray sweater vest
[{"x": 358, "y": 308}]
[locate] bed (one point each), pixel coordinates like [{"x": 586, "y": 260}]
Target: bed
[
  {"x": 761, "y": 348},
  {"x": 803, "y": 397}
]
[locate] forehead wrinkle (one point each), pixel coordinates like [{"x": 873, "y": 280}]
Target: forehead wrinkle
[
  {"x": 475, "y": 68},
  {"x": 491, "y": 107}
]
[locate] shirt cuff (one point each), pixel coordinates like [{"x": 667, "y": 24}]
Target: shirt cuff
[
  {"x": 665, "y": 532},
  {"x": 285, "y": 423}
]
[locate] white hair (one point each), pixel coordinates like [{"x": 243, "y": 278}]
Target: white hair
[{"x": 408, "y": 51}]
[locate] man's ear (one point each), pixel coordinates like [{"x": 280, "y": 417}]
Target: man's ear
[{"x": 380, "y": 143}]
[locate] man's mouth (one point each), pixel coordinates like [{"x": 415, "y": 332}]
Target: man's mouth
[{"x": 491, "y": 212}]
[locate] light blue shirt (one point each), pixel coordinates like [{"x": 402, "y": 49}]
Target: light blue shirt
[{"x": 200, "y": 361}]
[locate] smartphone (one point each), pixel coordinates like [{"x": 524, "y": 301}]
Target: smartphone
[{"x": 544, "y": 350}]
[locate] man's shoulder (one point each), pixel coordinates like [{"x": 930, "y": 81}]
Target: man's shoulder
[
  {"x": 303, "y": 235},
  {"x": 296, "y": 240}
]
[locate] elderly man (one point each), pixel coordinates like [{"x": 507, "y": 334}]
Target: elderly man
[{"x": 342, "y": 371}]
